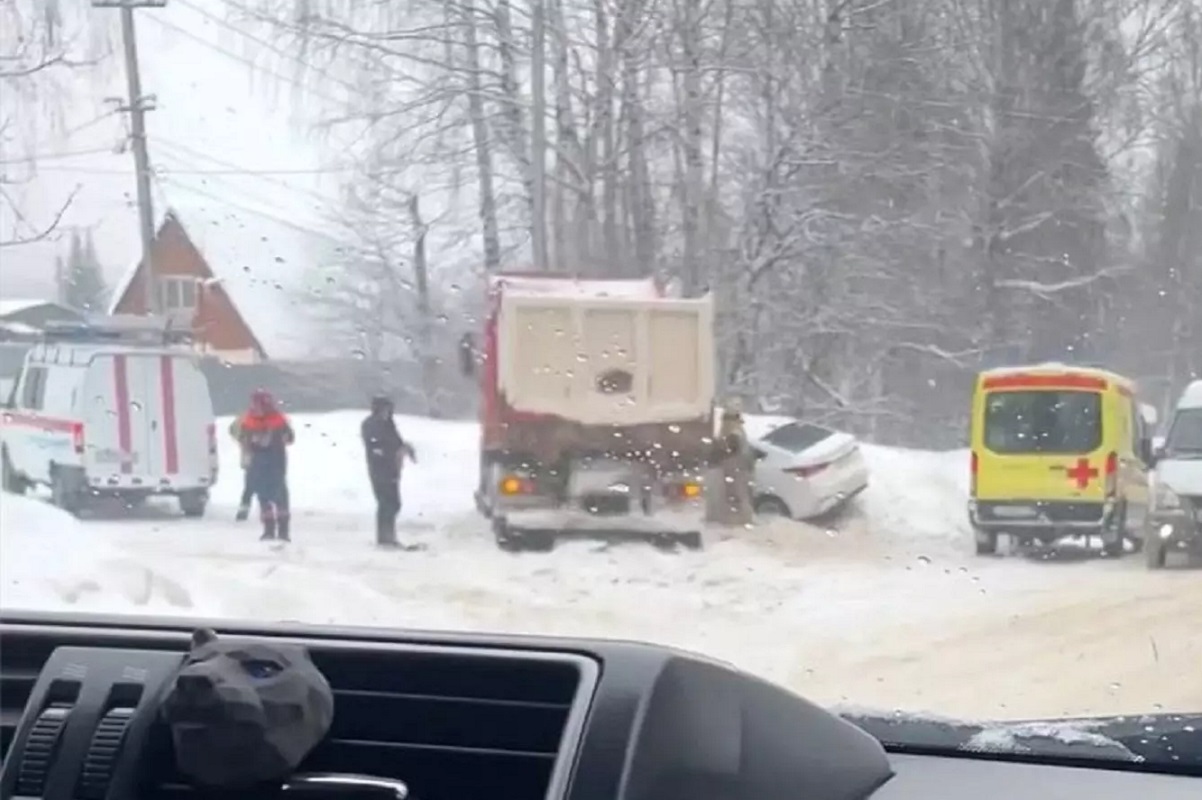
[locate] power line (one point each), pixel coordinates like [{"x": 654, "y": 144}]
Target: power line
[
  {"x": 266, "y": 178},
  {"x": 57, "y": 156},
  {"x": 243, "y": 60},
  {"x": 266, "y": 44},
  {"x": 257, "y": 212}
]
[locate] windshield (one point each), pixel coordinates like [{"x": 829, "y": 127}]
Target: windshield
[
  {"x": 546, "y": 316},
  {"x": 1185, "y": 434},
  {"x": 1043, "y": 422}
]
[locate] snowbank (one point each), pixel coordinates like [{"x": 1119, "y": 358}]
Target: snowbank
[
  {"x": 50, "y": 561},
  {"x": 917, "y": 497}
]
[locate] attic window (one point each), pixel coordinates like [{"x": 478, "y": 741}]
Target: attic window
[
  {"x": 177, "y": 294},
  {"x": 615, "y": 381}
]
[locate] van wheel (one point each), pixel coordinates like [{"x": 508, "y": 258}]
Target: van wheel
[
  {"x": 193, "y": 504},
  {"x": 63, "y": 494},
  {"x": 986, "y": 542},
  {"x": 12, "y": 482},
  {"x": 1114, "y": 534}
]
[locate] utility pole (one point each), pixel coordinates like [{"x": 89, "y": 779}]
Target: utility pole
[
  {"x": 539, "y": 154},
  {"x": 138, "y": 106}
]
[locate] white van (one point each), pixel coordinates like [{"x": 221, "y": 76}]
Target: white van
[
  {"x": 94, "y": 415},
  {"x": 1175, "y": 517}
]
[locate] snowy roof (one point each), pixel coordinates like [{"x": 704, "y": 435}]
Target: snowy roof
[
  {"x": 16, "y": 306},
  {"x": 265, "y": 266}
]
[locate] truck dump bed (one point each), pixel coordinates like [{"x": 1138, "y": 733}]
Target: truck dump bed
[{"x": 623, "y": 357}]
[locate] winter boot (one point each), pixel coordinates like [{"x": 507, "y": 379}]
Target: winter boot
[
  {"x": 283, "y": 529},
  {"x": 269, "y": 530},
  {"x": 243, "y": 514}
]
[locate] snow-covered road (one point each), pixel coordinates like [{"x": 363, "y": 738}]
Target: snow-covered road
[{"x": 885, "y": 608}]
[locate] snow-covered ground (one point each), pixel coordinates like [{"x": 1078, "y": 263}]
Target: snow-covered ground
[{"x": 885, "y": 607}]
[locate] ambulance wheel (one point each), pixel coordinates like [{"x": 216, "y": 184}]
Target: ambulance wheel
[
  {"x": 986, "y": 542},
  {"x": 62, "y": 493},
  {"x": 193, "y": 504},
  {"x": 13, "y": 482},
  {"x": 1114, "y": 533}
]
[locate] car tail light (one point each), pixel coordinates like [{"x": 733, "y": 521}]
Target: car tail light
[
  {"x": 974, "y": 470},
  {"x": 1112, "y": 473},
  {"x": 807, "y": 472},
  {"x": 512, "y": 485},
  {"x": 77, "y": 437},
  {"x": 211, "y": 433}
]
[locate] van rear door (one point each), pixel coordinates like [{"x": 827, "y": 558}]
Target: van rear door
[
  {"x": 1041, "y": 444},
  {"x": 122, "y": 425},
  {"x": 148, "y": 421}
]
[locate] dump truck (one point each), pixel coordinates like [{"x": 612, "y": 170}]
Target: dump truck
[{"x": 596, "y": 412}]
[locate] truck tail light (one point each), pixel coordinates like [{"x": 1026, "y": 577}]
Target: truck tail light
[
  {"x": 682, "y": 491},
  {"x": 974, "y": 469},
  {"x": 77, "y": 437},
  {"x": 512, "y": 485}
]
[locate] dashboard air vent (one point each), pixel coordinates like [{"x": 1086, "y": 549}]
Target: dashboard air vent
[
  {"x": 43, "y": 740},
  {"x": 449, "y": 723},
  {"x": 21, "y": 660},
  {"x": 101, "y": 758}
]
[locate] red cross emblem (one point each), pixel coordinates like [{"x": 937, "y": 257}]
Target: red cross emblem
[{"x": 1082, "y": 473}]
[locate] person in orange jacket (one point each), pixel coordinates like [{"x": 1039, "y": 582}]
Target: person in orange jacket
[{"x": 266, "y": 434}]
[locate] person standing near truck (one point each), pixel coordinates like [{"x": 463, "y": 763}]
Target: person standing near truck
[
  {"x": 386, "y": 451},
  {"x": 732, "y": 457},
  {"x": 266, "y": 434}
]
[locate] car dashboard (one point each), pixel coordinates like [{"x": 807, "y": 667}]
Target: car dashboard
[{"x": 451, "y": 716}]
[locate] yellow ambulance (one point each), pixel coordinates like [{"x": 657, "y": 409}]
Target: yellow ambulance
[{"x": 1057, "y": 451}]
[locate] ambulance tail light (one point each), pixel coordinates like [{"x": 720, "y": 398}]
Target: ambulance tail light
[{"x": 1112, "y": 474}]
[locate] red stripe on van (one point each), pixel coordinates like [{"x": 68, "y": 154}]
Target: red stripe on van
[
  {"x": 1029, "y": 381},
  {"x": 167, "y": 384},
  {"x": 124, "y": 432}
]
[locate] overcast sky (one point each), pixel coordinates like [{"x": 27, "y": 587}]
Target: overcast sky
[{"x": 225, "y": 134}]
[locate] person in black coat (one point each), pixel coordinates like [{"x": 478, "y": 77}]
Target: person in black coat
[{"x": 386, "y": 451}]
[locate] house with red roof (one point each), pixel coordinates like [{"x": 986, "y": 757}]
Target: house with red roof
[{"x": 231, "y": 280}]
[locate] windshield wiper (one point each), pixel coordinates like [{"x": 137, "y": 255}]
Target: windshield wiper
[{"x": 1171, "y": 741}]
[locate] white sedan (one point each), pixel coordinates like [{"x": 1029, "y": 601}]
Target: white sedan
[{"x": 804, "y": 470}]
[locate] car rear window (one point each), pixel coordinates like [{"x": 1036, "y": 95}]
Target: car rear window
[
  {"x": 797, "y": 436},
  {"x": 1043, "y": 422}
]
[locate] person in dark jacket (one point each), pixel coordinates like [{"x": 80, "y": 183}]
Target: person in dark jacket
[
  {"x": 386, "y": 451},
  {"x": 265, "y": 434}
]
